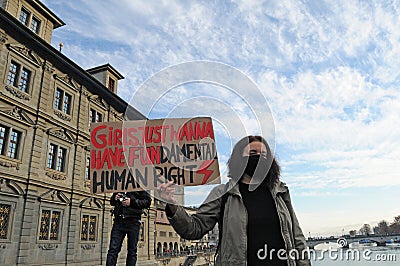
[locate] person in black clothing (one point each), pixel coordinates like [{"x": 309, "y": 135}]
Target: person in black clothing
[
  {"x": 127, "y": 214},
  {"x": 257, "y": 222},
  {"x": 263, "y": 226}
]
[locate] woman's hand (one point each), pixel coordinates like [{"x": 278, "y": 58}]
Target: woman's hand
[{"x": 166, "y": 192}]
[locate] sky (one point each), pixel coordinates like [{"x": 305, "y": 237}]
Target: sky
[{"x": 327, "y": 70}]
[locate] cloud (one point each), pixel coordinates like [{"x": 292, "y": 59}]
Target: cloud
[
  {"x": 329, "y": 70},
  {"x": 322, "y": 65},
  {"x": 338, "y": 123}
]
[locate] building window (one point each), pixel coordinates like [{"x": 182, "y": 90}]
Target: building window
[
  {"x": 99, "y": 117},
  {"x": 95, "y": 116},
  {"x": 49, "y": 225},
  {"x": 61, "y": 159},
  {"x": 56, "y": 157},
  {"x": 162, "y": 233},
  {"x": 63, "y": 101},
  {"x": 12, "y": 74},
  {"x": 111, "y": 84},
  {"x": 87, "y": 169},
  {"x": 24, "y": 80},
  {"x": 5, "y": 212},
  {"x": 16, "y": 73},
  {"x": 35, "y": 25},
  {"x": 9, "y": 142},
  {"x": 170, "y": 234},
  {"x": 29, "y": 20},
  {"x": 13, "y": 144},
  {"x": 57, "y": 99},
  {"x": 67, "y": 103},
  {"x": 92, "y": 116},
  {"x": 51, "y": 156},
  {"x": 24, "y": 16},
  {"x": 88, "y": 228}
]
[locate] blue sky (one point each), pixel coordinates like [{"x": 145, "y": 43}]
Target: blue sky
[{"x": 328, "y": 69}]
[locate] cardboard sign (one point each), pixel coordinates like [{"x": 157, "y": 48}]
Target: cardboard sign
[{"x": 142, "y": 154}]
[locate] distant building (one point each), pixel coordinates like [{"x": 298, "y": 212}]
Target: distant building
[
  {"x": 200, "y": 243},
  {"x": 166, "y": 239},
  {"x": 168, "y": 243},
  {"x": 47, "y": 102},
  {"x": 213, "y": 236}
]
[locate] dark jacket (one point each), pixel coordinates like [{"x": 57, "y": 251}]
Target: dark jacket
[{"x": 139, "y": 200}]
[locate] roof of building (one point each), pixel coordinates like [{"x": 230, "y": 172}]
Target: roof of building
[
  {"x": 45, "y": 11},
  {"x": 25, "y": 36},
  {"x": 105, "y": 67}
]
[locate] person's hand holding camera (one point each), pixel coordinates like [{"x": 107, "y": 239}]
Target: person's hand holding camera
[
  {"x": 118, "y": 196},
  {"x": 126, "y": 202}
]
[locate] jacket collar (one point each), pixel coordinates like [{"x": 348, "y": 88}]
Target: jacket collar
[
  {"x": 233, "y": 187},
  {"x": 280, "y": 187}
]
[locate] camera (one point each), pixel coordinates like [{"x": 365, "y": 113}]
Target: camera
[{"x": 122, "y": 197}]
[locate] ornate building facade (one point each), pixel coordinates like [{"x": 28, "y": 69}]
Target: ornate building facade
[{"x": 47, "y": 102}]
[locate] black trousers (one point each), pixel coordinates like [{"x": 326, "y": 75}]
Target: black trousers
[{"x": 118, "y": 233}]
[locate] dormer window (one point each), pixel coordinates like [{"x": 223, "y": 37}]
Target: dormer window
[
  {"x": 35, "y": 25},
  {"x": 34, "y": 15},
  {"x": 24, "y": 16},
  {"x": 29, "y": 20},
  {"x": 107, "y": 75},
  {"x": 111, "y": 84}
]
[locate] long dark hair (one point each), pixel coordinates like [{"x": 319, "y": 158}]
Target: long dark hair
[{"x": 237, "y": 164}]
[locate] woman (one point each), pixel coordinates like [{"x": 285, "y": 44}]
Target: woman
[{"x": 259, "y": 226}]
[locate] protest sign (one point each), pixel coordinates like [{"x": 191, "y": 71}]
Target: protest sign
[{"x": 142, "y": 154}]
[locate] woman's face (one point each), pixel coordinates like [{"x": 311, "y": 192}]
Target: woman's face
[{"x": 255, "y": 148}]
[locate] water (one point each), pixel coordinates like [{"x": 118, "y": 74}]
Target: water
[{"x": 377, "y": 256}]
